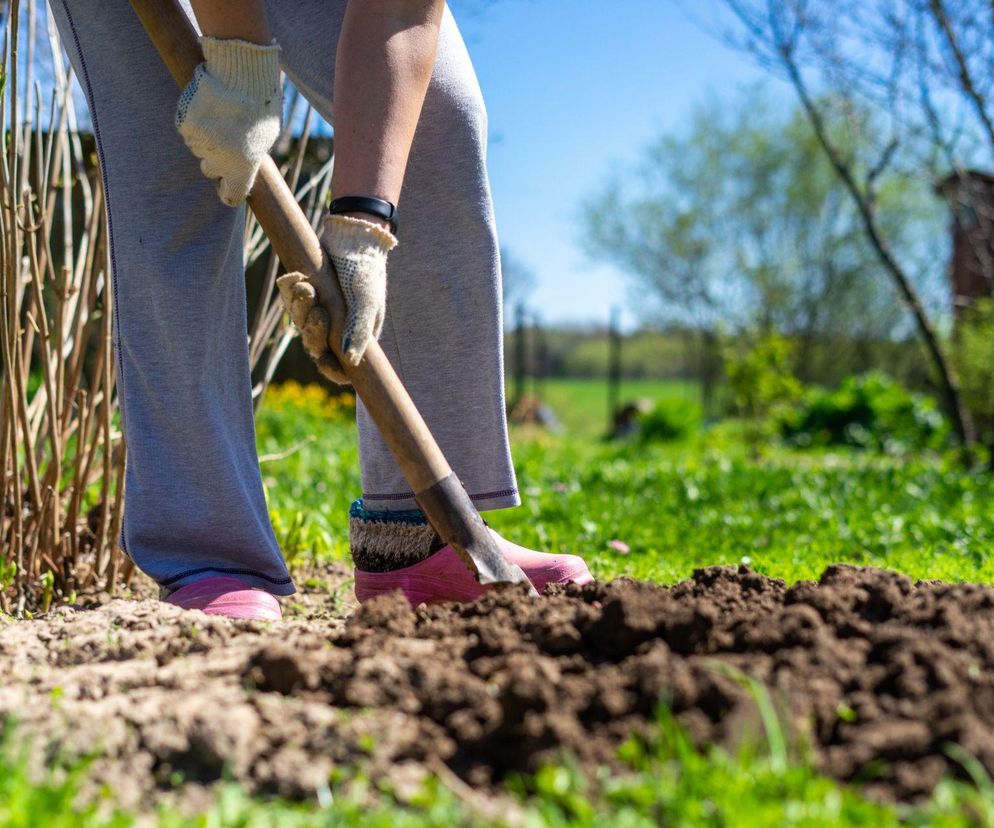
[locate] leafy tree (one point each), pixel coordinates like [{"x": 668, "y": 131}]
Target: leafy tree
[
  {"x": 922, "y": 67},
  {"x": 738, "y": 222}
]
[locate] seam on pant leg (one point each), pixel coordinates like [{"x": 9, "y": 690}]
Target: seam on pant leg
[
  {"x": 406, "y": 495},
  {"x": 396, "y": 342},
  {"x": 227, "y": 571},
  {"x": 91, "y": 102}
]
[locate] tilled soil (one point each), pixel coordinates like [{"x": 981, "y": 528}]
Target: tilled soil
[{"x": 877, "y": 673}]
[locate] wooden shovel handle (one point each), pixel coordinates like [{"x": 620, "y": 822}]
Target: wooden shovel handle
[{"x": 295, "y": 242}]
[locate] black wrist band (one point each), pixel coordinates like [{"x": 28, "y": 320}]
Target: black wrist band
[{"x": 366, "y": 204}]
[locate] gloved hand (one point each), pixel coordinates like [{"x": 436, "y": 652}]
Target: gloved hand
[
  {"x": 229, "y": 114},
  {"x": 358, "y": 250},
  {"x": 313, "y": 322}
]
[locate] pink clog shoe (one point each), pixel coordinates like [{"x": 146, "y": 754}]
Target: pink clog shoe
[
  {"x": 444, "y": 577},
  {"x": 224, "y": 595}
]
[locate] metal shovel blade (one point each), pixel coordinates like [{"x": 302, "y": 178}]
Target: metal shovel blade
[{"x": 466, "y": 532}]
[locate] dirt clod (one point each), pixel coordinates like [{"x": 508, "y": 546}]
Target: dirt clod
[{"x": 879, "y": 674}]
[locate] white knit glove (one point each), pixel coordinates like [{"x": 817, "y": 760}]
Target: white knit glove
[
  {"x": 358, "y": 250},
  {"x": 229, "y": 114}
]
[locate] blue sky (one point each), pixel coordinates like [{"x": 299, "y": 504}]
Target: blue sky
[{"x": 573, "y": 89}]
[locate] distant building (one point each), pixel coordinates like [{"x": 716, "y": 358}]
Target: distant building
[{"x": 970, "y": 195}]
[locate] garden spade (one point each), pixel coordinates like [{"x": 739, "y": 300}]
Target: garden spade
[{"x": 436, "y": 488}]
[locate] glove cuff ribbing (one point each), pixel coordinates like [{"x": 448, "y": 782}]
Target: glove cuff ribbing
[
  {"x": 348, "y": 236},
  {"x": 248, "y": 68}
]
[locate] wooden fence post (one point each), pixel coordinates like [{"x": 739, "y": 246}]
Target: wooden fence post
[{"x": 613, "y": 368}]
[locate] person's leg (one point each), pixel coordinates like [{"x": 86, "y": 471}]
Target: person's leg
[
  {"x": 194, "y": 505},
  {"x": 443, "y": 331}
]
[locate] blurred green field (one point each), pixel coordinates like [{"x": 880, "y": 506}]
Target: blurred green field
[{"x": 581, "y": 405}]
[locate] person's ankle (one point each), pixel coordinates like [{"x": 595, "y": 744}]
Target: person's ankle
[{"x": 385, "y": 541}]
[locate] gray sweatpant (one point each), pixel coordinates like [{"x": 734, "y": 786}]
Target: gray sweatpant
[{"x": 194, "y": 500}]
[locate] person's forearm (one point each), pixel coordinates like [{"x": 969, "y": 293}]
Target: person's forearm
[
  {"x": 386, "y": 52},
  {"x": 233, "y": 19}
]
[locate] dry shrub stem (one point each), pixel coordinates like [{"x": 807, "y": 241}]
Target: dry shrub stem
[{"x": 62, "y": 453}]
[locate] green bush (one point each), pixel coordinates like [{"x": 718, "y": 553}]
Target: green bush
[
  {"x": 871, "y": 411},
  {"x": 670, "y": 420},
  {"x": 761, "y": 385},
  {"x": 760, "y": 377}
]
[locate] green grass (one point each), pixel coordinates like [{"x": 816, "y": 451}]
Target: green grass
[
  {"x": 28, "y": 802},
  {"x": 786, "y": 514},
  {"x": 679, "y": 506},
  {"x": 669, "y": 783},
  {"x": 313, "y": 474},
  {"x": 708, "y": 500}
]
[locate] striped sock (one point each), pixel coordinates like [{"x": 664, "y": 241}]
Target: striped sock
[{"x": 385, "y": 541}]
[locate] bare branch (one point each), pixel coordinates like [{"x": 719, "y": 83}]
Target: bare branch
[{"x": 965, "y": 78}]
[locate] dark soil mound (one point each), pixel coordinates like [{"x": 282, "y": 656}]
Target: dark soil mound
[{"x": 878, "y": 674}]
